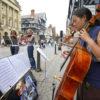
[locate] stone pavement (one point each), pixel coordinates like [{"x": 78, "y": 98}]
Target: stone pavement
[{"x": 50, "y": 68}]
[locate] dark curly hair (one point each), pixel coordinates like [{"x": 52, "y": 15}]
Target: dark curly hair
[{"x": 80, "y": 12}]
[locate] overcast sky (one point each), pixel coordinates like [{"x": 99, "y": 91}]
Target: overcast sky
[{"x": 56, "y": 11}]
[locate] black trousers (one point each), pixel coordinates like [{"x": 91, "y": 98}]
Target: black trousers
[
  {"x": 14, "y": 49},
  {"x": 88, "y": 92}
]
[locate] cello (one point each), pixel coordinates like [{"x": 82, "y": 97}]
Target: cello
[
  {"x": 76, "y": 70},
  {"x": 74, "y": 74}
]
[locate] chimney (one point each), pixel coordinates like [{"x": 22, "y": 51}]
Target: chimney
[{"x": 32, "y": 12}]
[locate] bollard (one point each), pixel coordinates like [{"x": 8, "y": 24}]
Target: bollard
[
  {"x": 60, "y": 45},
  {"x": 55, "y": 48},
  {"x": 38, "y": 62},
  {"x": 53, "y": 89}
]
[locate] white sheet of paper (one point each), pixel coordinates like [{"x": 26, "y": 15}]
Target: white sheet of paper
[
  {"x": 8, "y": 75},
  {"x": 25, "y": 58},
  {"x": 43, "y": 54},
  {"x": 18, "y": 62}
]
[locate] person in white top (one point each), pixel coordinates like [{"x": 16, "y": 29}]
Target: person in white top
[
  {"x": 14, "y": 48},
  {"x": 30, "y": 48}
]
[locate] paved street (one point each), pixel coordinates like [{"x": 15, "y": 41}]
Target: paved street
[
  {"x": 46, "y": 77},
  {"x": 50, "y": 68}
]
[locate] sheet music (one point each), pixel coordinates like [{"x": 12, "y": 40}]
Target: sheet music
[
  {"x": 25, "y": 58},
  {"x": 19, "y": 65},
  {"x": 8, "y": 76},
  {"x": 43, "y": 54}
]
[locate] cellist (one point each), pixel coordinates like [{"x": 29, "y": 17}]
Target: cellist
[{"x": 90, "y": 89}]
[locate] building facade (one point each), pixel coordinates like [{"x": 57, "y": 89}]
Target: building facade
[
  {"x": 91, "y": 4},
  {"x": 9, "y": 16},
  {"x": 50, "y": 32},
  {"x": 34, "y": 21}
]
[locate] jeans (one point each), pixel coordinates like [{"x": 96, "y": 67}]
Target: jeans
[{"x": 30, "y": 50}]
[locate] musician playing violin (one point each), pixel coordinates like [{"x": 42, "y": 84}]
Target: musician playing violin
[{"x": 90, "y": 89}]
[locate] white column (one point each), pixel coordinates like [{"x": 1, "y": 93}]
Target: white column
[
  {"x": 7, "y": 23},
  {"x": 0, "y": 11}
]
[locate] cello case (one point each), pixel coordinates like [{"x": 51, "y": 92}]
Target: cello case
[{"x": 74, "y": 74}]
